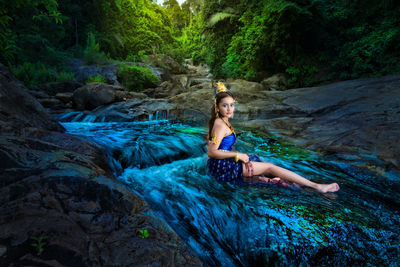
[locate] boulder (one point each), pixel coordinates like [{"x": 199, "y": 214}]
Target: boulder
[
  {"x": 165, "y": 89},
  {"x": 165, "y": 62},
  {"x": 201, "y": 70},
  {"x": 51, "y": 102},
  {"x": 183, "y": 79},
  {"x": 97, "y": 94},
  {"x": 65, "y": 97},
  {"x": 359, "y": 117},
  {"x": 20, "y": 108},
  {"x": 243, "y": 90},
  {"x": 38, "y": 94},
  {"x": 83, "y": 72},
  {"x": 60, "y": 202},
  {"x": 193, "y": 105},
  {"x": 276, "y": 82}
]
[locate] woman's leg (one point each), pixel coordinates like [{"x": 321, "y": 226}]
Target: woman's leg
[{"x": 269, "y": 169}]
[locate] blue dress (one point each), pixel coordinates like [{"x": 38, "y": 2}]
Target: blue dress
[{"x": 227, "y": 170}]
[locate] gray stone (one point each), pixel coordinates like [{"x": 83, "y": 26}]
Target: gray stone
[
  {"x": 276, "y": 82},
  {"x": 64, "y": 97},
  {"x": 166, "y": 62},
  {"x": 97, "y": 94},
  {"x": 61, "y": 189}
]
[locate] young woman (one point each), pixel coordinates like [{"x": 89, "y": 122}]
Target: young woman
[{"x": 228, "y": 166}]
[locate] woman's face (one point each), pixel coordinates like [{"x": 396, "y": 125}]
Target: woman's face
[{"x": 226, "y": 107}]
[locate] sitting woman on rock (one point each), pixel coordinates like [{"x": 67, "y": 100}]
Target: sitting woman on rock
[{"x": 228, "y": 166}]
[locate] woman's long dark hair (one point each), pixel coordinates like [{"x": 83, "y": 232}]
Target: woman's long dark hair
[{"x": 213, "y": 116}]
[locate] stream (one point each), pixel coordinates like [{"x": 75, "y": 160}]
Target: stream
[{"x": 228, "y": 225}]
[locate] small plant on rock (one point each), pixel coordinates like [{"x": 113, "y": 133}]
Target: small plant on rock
[
  {"x": 143, "y": 233},
  {"x": 39, "y": 244},
  {"x": 96, "y": 78}
]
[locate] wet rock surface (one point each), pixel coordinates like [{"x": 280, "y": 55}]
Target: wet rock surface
[
  {"x": 61, "y": 204},
  {"x": 358, "y": 117}
]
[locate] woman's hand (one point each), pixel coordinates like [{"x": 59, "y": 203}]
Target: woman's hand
[{"x": 243, "y": 157}]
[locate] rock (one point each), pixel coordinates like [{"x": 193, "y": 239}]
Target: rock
[
  {"x": 165, "y": 62},
  {"x": 243, "y": 90},
  {"x": 276, "y": 82},
  {"x": 199, "y": 70},
  {"x": 359, "y": 117},
  {"x": 54, "y": 88},
  {"x": 83, "y": 72},
  {"x": 61, "y": 204},
  {"x": 192, "y": 105},
  {"x": 165, "y": 89},
  {"x": 282, "y": 126},
  {"x": 20, "y": 108},
  {"x": 97, "y": 94},
  {"x": 64, "y": 97},
  {"x": 137, "y": 95},
  {"x": 197, "y": 81},
  {"x": 183, "y": 79},
  {"x": 188, "y": 61},
  {"x": 38, "y": 94},
  {"x": 50, "y": 102}
]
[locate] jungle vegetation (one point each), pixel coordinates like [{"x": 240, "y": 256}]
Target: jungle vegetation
[{"x": 312, "y": 41}]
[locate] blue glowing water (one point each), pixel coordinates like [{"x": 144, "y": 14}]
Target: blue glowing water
[{"x": 165, "y": 163}]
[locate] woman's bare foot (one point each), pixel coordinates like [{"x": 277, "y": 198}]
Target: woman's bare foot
[{"x": 325, "y": 188}]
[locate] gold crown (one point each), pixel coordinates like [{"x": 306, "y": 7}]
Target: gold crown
[{"x": 221, "y": 87}]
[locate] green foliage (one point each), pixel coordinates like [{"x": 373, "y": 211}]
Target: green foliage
[
  {"x": 96, "y": 78},
  {"x": 39, "y": 244},
  {"x": 268, "y": 39},
  {"x": 130, "y": 26},
  {"x": 339, "y": 39},
  {"x": 311, "y": 40},
  {"x": 65, "y": 76},
  {"x": 92, "y": 53},
  {"x": 31, "y": 31},
  {"x": 192, "y": 42},
  {"x": 370, "y": 54},
  {"x": 140, "y": 57},
  {"x": 36, "y": 74},
  {"x": 8, "y": 46},
  {"x": 302, "y": 74},
  {"x": 136, "y": 78},
  {"x": 143, "y": 233}
]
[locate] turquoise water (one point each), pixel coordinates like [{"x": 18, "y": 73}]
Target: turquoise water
[{"x": 165, "y": 163}]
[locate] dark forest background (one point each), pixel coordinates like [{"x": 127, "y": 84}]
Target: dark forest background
[{"x": 312, "y": 41}]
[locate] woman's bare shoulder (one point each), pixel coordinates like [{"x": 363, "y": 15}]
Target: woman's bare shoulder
[
  {"x": 218, "y": 121},
  {"x": 219, "y": 125}
]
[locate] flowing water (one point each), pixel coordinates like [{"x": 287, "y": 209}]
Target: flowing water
[{"x": 165, "y": 163}]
